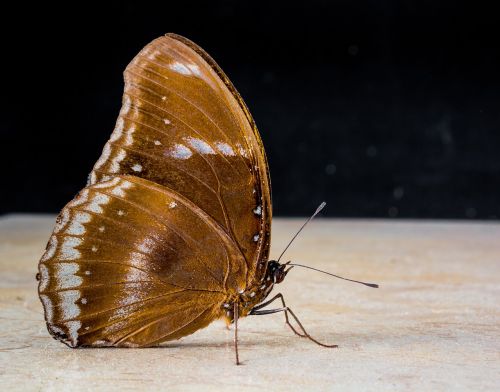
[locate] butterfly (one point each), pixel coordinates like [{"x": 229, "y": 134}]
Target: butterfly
[{"x": 173, "y": 228}]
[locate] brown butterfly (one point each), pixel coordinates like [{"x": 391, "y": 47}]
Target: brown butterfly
[{"x": 173, "y": 229}]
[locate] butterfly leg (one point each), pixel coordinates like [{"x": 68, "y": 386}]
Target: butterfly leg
[
  {"x": 287, "y": 321},
  {"x": 287, "y": 309},
  {"x": 236, "y": 310}
]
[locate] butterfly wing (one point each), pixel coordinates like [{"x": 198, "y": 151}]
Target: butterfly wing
[
  {"x": 131, "y": 263},
  {"x": 184, "y": 126}
]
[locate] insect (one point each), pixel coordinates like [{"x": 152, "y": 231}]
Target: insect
[{"x": 173, "y": 228}]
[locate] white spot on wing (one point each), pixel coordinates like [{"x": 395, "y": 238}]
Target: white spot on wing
[
  {"x": 120, "y": 212},
  {"x": 68, "y": 306},
  {"x": 166, "y": 121},
  {"x": 258, "y": 210},
  {"x": 76, "y": 226},
  {"x": 200, "y": 145},
  {"x": 101, "y": 229},
  {"x": 225, "y": 148},
  {"x": 180, "y": 68},
  {"x": 68, "y": 251},
  {"x": 83, "y": 301},
  {"x": 163, "y": 98},
  {"x": 172, "y": 204},
  {"x": 65, "y": 275},
  {"x": 256, "y": 238},
  {"x": 157, "y": 142},
  {"x": 137, "y": 167},
  {"x": 179, "y": 151},
  {"x": 94, "y": 248},
  {"x": 95, "y": 205}
]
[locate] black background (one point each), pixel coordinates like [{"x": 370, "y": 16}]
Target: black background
[{"x": 381, "y": 108}]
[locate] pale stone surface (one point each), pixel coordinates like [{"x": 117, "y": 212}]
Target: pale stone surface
[{"x": 433, "y": 325}]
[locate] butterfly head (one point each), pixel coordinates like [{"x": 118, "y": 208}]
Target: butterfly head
[{"x": 277, "y": 271}]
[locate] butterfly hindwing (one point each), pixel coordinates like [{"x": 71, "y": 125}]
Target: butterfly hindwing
[{"x": 123, "y": 266}]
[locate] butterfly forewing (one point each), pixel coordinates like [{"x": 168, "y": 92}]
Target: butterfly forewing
[
  {"x": 123, "y": 266},
  {"x": 183, "y": 125}
]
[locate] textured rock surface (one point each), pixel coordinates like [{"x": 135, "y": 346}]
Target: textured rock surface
[{"x": 433, "y": 325}]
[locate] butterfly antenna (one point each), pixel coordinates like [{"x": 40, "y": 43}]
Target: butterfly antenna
[
  {"x": 318, "y": 210},
  {"x": 374, "y": 285}
]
